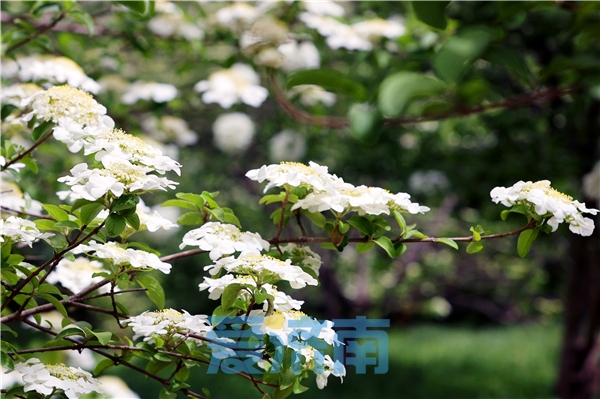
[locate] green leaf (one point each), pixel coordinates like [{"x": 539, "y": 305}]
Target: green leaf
[
  {"x": 103, "y": 365},
  {"x": 85, "y": 19},
  {"x": 398, "y": 90},
  {"x": 138, "y": 6},
  {"x": 6, "y": 361},
  {"x": 190, "y": 218},
  {"x": 115, "y": 224},
  {"x": 89, "y": 212},
  {"x": 14, "y": 259},
  {"x": 459, "y": 51},
  {"x": 7, "y": 110},
  {"x": 400, "y": 249},
  {"x": 363, "y": 247},
  {"x": 133, "y": 220},
  {"x": 154, "y": 290},
  {"x": 164, "y": 394},
  {"x": 195, "y": 199},
  {"x": 526, "y": 239},
  {"x": 30, "y": 163},
  {"x": 49, "y": 289},
  {"x": 70, "y": 331},
  {"x": 124, "y": 202},
  {"x": 272, "y": 198},
  {"x": 54, "y": 301},
  {"x": 56, "y": 212},
  {"x": 474, "y": 246},
  {"x": 219, "y": 315},
  {"x": 42, "y": 129},
  {"x": 231, "y": 218},
  {"x": 67, "y": 224},
  {"x": 102, "y": 336},
  {"x": 387, "y": 245},
  {"x": 362, "y": 224},
  {"x": 330, "y": 80},
  {"x": 365, "y": 123},
  {"x": 449, "y": 242},
  {"x": 431, "y": 12},
  {"x": 510, "y": 59},
  {"x": 230, "y": 294},
  {"x": 180, "y": 204},
  {"x": 515, "y": 209},
  {"x": 317, "y": 218},
  {"x": 81, "y": 202},
  {"x": 476, "y": 235}
]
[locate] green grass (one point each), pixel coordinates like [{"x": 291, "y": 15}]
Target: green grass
[{"x": 430, "y": 362}]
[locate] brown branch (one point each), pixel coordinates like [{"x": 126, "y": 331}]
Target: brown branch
[
  {"x": 7, "y": 209},
  {"x": 26, "y": 152},
  {"x": 183, "y": 254},
  {"x": 41, "y": 31},
  {"x": 337, "y": 122}
]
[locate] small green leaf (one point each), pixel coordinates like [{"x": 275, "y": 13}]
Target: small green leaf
[
  {"x": 102, "y": 336},
  {"x": 526, "y": 239},
  {"x": 138, "y": 6},
  {"x": 362, "y": 224},
  {"x": 57, "y": 213},
  {"x": 30, "y": 163},
  {"x": 474, "y": 246},
  {"x": 365, "y": 123},
  {"x": 49, "y": 289},
  {"x": 89, "y": 212},
  {"x": 195, "y": 199},
  {"x": 7, "y": 110},
  {"x": 115, "y": 224},
  {"x": 70, "y": 331},
  {"x": 476, "y": 235},
  {"x": 133, "y": 220},
  {"x": 330, "y": 80},
  {"x": 164, "y": 394},
  {"x": 42, "y": 129},
  {"x": 6, "y": 361},
  {"x": 433, "y": 13},
  {"x": 398, "y": 90},
  {"x": 315, "y": 217},
  {"x": 54, "y": 301},
  {"x": 155, "y": 291},
  {"x": 124, "y": 202},
  {"x": 400, "y": 249},
  {"x": 180, "y": 204},
  {"x": 449, "y": 242},
  {"x": 85, "y": 19},
  {"x": 103, "y": 365},
  {"x": 230, "y": 295},
  {"x": 385, "y": 243},
  {"x": 363, "y": 247},
  {"x": 67, "y": 224},
  {"x": 190, "y": 218}
]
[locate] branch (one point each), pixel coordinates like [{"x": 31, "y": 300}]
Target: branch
[
  {"x": 7, "y": 209},
  {"x": 26, "y": 152},
  {"x": 41, "y": 31},
  {"x": 337, "y": 122}
]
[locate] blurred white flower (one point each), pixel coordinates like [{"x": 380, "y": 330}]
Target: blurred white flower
[
  {"x": 169, "y": 128},
  {"x": 13, "y": 198},
  {"x": 14, "y": 94},
  {"x": 324, "y": 7},
  {"x": 287, "y": 145},
  {"x": 16, "y": 229},
  {"x": 269, "y": 57},
  {"x": 230, "y": 86},
  {"x": 304, "y": 55},
  {"x": 115, "y": 388},
  {"x": 233, "y": 132},
  {"x": 175, "y": 25},
  {"x": 236, "y": 13},
  {"x": 157, "y": 92},
  {"x": 428, "y": 181},
  {"x": 312, "y": 94},
  {"x": 591, "y": 183},
  {"x": 337, "y": 33},
  {"x": 77, "y": 275},
  {"x": 374, "y": 29},
  {"x": 49, "y": 70}
]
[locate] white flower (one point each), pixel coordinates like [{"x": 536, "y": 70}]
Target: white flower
[
  {"x": 264, "y": 265},
  {"x": 124, "y": 256},
  {"x": 292, "y": 174},
  {"x": 14, "y": 198},
  {"x": 175, "y": 25},
  {"x": 545, "y": 201},
  {"x": 310, "y": 95},
  {"x": 77, "y": 275},
  {"x": 167, "y": 324},
  {"x": 303, "y": 55},
  {"x": 14, "y": 94},
  {"x": 51, "y": 69},
  {"x": 15, "y": 166},
  {"x": 233, "y": 132},
  {"x": 114, "y": 388},
  {"x": 157, "y": 92},
  {"x": 337, "y": 33},
  {"x": 44, "y": 379},
  {"x": 324, "y": 7},
  {"x": 230, "y": 86},
  {"x": 303, "y": 256},
  {"x": 216, "y": 287},
  {"x": 16, "y": 229},
  {"x": 170, "y": 128},
  {"x": 236, "y": 13},
  {"x": 337, "y": 369},
  {"x": 287, "y": 145},
  {"x": 151, "y": 219},
  {"x": 269, "y": 57},
  {"x": 373, "y": 29},
  {"x": 224, "y": 239}
]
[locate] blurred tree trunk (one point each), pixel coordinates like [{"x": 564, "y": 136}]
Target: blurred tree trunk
[{"x": 579, "y": 376}]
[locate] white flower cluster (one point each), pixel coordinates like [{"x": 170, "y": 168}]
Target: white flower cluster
[
  {"x": 124, "y": 256},
  {"x": 358, "y": 36},
  {"x": 171, "y": 22},
  {"x": 224, "y": 239},
  {"x": 216, "y": 287},
  {"x": 46, "y": 379},
  {"x": 230, "y": 86},
  {"x": 77, "y": 275},
  {"x": 49, "y": 70},
  {"x": 545, "y": 201},
  {"x": 16, "y": 229},
  {"x": 329, "y": 192},
  {"x": 233, "y": 132},
  {"x": 141, "y": 90},
  {"x": 263, "y": 266},
  {"x": 170, "y": 129},
  {"x": 303, "y": 256},
  {"x": 167, "y": 324},
  {"x": 16, "y": 93}
]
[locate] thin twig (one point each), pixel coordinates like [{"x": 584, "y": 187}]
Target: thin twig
[
  {"x": 17, "y": 211},
  {"x": 37, "y": 33},
  {"x": 26, "y": 152}
]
